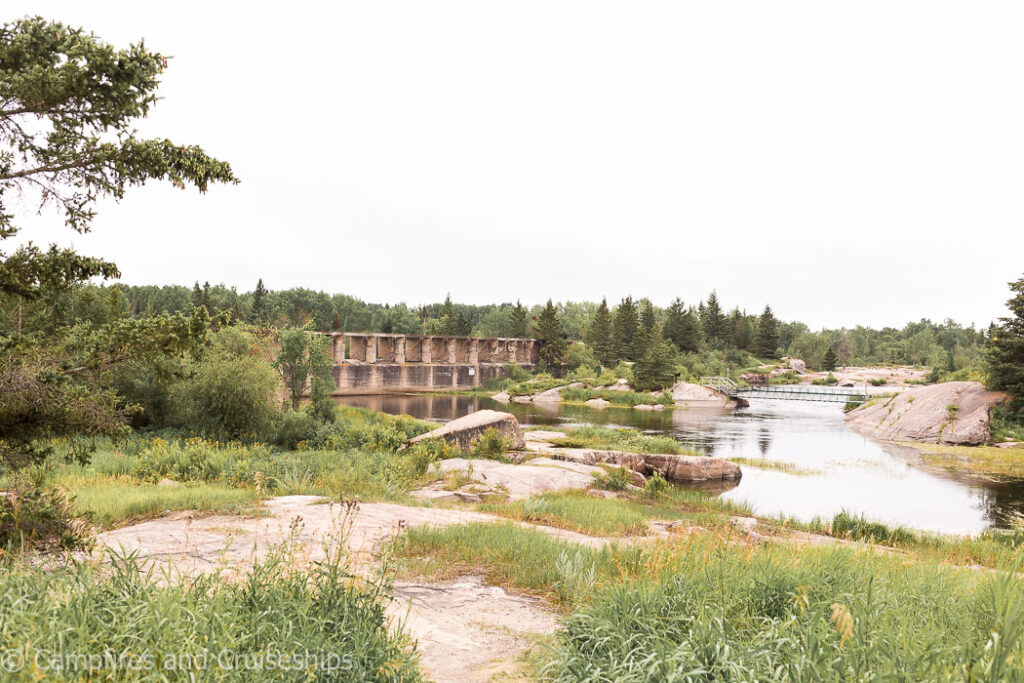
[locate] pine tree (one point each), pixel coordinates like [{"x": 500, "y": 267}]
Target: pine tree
[
  {"x": 549, "y": 332},
  {"x": 713, "y": 321},
  {"x": 829, "y": 361},
  {"x": 647, "y": 326},
  {"x": 656, "y": 369},
  {"x": 624, "y": 330},
  {"x": 739, "y": 333},
  {"x": 449, "y": 325},
  {"x": 259, "y": 303},
  {"x": 767, "y": 334},
  {"x": 517, "y": 321},
  {"x": 599, "y": 334},
  {"x": 1004, "y": 352},
  {"x": 197, "y": 295}
]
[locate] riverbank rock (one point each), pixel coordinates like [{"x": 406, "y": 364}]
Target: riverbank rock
[
  {"x": 953, "y": 413},
  {"x": 465, "y": 430},
  {"x": 502, "y": 397},
  {"x": 687, "y": 393},
  {"x": 618, "y": 385},
  {"x": 539, "y": 475},
  {"x": 648, "y": 406},
  {"x": 684, "y": 468},
  {"x": 692, "y": 467},
  {"x": 598, "y": 403},
  {"x": 798, "y": 365}
]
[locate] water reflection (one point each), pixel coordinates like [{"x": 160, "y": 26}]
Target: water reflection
[{"x": 841, "y": 469}]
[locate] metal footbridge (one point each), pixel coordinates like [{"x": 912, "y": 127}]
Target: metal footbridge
[{"x": 790, "y": 392}]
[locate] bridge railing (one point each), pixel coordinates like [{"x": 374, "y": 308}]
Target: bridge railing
[{"x": 723, "y": 384}]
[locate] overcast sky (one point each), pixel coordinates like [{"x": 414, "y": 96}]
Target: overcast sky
[{"x": 848, "y": 163}]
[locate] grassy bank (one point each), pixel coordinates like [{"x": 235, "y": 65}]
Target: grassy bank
[
  {"x": 984, "y": 461},
  {"x": 619, "y": 398},
  {"x": 629, "y": 440}
]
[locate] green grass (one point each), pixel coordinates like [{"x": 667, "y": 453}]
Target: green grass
[
  {"x": 108, "y": 501},
  {"x": 602, "y": 438},
  {"x": 583, "y": 513},
  {"x": 209, "y": 628}
]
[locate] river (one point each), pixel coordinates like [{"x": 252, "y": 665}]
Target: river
[{"x": 838, "y": 469}]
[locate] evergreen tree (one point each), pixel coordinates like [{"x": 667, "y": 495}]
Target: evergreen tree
[
  {"x": 259, "y": 304},
  {"x": 1004, "y": 353},
  {"x": 830, "y": 359},
  {"x": 517, "y": 321},
  {"x": 549, "y": 331},
  {"x": 656, "y": 369},
  {"x": 767, "y": 334},
  {"x": 624, "y": 330},
  {"x": 197, "y": 295},
  {"x": 449, "y": 325},
  {"x": 648, "y": 325},
  {"x": 714, "y": 322},
  {"x": 739, "y": 329},
  {"x": 599, "y": 334}
]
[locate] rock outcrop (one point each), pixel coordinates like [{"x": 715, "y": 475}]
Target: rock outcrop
[
  {"x": 684, "y": 468},
  {"x": 950, "y": 413},
  {"x": 798, "y": 365},
  {"x": 465, "y": 430}
]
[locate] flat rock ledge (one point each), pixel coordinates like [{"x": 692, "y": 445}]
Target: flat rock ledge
[
  {"x": 682, "y": 468},
  {"x": 462, "y": 432}
]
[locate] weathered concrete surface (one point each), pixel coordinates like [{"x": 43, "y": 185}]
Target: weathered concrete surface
[
  {"x": 380, "y": 363},
  {"x": 926, "y": 415},
  {"x": 465, "y": 430}
]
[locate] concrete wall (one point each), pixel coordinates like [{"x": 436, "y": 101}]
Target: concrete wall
[{"x": 385, "y": 363}]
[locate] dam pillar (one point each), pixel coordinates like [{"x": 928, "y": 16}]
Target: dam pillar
[
  {"x": 510, "y": 351},
  {"x": 371, "y": 349},
  {"x": 451, "y": 350},
  {"x": 400, "y": 350},
  {"x": 426, "y": 347},
  {"x": 474, "y": 352}
]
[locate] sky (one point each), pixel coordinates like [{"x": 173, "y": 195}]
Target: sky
[{"x": 848, "y": 163}]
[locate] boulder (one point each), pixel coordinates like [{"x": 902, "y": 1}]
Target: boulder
[
  {"x": 1010, "y": 444},
  {"x": 598, "y": 403},
  {"x": 692, "y": 467},
  {"x": 167, "y": 482},
  {"x": 951, "y": 413},
  {"x": 685, "y": 391},
  {"x": 673, "y": 467},
  {"x": 798, "y": 365},
  {"x": 618, "y": 385},
  {"x": 538, "y": 475},
  {"x": 465, "y": 430},
  {"x": 502, "y": 397},
  {"x": 646, "y": 406},
  {"x": 554, "y": 395}
]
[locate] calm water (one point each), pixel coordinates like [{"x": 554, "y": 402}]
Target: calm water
[{"x": 846, "y": 470}]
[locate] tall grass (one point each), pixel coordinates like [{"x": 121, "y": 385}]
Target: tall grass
[
  {"x": 622, "y": 398},
  {"x": 122, "y": 621},
  {"x": 698, "y": 608}
]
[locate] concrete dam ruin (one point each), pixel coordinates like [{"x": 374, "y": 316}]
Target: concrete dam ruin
[{"x": 385, "y": 363}]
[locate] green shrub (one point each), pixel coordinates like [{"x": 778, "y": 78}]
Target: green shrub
[
  {"x": 613, "y": 479},
  {"x": 297, "y": 426},
  {"x": 492, "y": 445},
  {"x": 38, "y": 518},
  {"x": 656, "y": 484},
  {"x": 228, "y": 397},
  {"x": 877, "y": 381}
]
